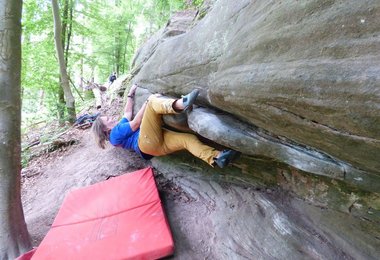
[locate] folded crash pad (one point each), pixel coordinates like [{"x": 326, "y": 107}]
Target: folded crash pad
[{"x": 121, "y": 218}]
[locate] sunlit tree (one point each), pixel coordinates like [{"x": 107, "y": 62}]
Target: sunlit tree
[{"x": 14, "y": 237}]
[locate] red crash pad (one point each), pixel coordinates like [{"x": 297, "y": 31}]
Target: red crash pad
[
  {"x": 121, "y": 218},
  {"x": 28, "y": 255}
]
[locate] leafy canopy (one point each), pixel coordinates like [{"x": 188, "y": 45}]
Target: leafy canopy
[{"x": 101, "y": 37}]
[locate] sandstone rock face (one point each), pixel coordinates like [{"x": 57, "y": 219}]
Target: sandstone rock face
[
  {"x": 308, "y": 72},
  {"x": 294, "y": 86},
  {"x": 249, "y": 222}
]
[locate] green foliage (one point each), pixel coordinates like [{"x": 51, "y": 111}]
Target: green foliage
[
  {"x": 198, "y": 2},
  {"x": 105, "y": 36},
  {"x": 39, "y": 67}
]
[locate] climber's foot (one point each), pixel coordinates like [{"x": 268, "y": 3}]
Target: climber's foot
[
  {"x": 189, "y": 99},
  {"x": 225, "y": 157}
]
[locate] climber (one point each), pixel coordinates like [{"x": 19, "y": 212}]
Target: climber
[{"x": 146, "y": 137}]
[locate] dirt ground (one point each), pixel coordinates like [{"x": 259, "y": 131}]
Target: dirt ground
[{"x": 51, "y": 176}]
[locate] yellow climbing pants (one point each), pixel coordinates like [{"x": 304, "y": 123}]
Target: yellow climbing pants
[{"x": 155, "y": 140}]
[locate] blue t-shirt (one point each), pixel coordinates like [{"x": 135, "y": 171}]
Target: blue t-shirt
[{"x": 123, "y": 136}]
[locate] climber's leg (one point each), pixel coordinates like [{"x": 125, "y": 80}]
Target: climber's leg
[
  {"x": 150, "y": 129},
  {"x": 175, "y": 141}
]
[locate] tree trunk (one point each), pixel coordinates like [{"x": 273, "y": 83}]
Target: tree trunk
[
  {"x": 67, "y": 25},
  {"x": 70, "y": 101},
  {"x": 117, "y": 51},
  {"x": 82, "y": 66},
  {"x": 69, "y": 30},
  {"x": 41, "y": 100},
  {"x": 14, "y": 237},
  {"x": 125, "y": 48},
  {"x": 61, "y": 94},
  {"x": 61, "y": 105}
]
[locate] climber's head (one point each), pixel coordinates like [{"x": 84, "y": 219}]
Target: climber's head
[{"x": 101, "y": 129}]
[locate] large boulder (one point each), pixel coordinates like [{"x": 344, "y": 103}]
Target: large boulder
[
  {"x": 294, "y": 86},
  {"x": 308, "y": 72}
]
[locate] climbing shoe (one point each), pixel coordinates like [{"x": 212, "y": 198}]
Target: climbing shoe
[
  {"x": 225, "y": 157},
  {"x": 189, "y": 99}
]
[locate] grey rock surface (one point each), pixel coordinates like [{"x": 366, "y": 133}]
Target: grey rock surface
[
  {"x": 236, "y": 220},
  {"x": 309, "y": 72},
  {"x": 232, "y": 133},
  {"x": 294, "y": 86}
]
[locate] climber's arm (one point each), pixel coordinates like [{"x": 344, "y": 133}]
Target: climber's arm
[
  {"x": 128, "y": 109},
  {"x": 136, "y": 122}
]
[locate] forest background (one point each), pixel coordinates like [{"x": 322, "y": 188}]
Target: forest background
[
  {"x": 57, "y": 43},
  {"x": 98, "y": 37}
]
